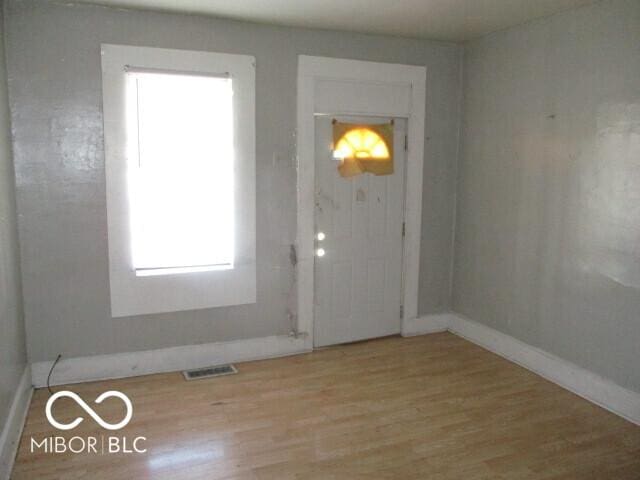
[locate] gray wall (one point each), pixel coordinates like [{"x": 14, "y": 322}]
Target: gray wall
[
  {"x": 548, "y": 219},
  {"x": 55, "y": 91},
  {"x": 12, "y": 342}
]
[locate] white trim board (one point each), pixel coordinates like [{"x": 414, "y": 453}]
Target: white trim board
[
  {"x": 582, "y": 382},
  {"x": 131, "y": 364},
  {"x": 438, "y": 322},
  {"x": 314, "y": 72},
  {"x": 12, "y": 431}
]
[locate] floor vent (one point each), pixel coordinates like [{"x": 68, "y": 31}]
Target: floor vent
[{"x": 209, "y": 372}]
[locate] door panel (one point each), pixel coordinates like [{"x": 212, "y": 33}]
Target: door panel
[{"x": 359, "y": 279}]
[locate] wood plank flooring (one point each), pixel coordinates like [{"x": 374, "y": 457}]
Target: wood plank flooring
[{"x": 431, "y": 407}]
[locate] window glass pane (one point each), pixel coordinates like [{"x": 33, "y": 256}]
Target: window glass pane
[
  {"x": 181, "y": 171},
  {"x": 363, "y": 148}
]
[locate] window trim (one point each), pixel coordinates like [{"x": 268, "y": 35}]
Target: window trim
[{"x": 133, "y": 294}]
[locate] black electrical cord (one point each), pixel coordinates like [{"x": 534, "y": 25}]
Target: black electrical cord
[{"x": 51, "y": 371}]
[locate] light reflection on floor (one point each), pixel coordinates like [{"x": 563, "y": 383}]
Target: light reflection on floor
[{"x": 184, "y": 456}]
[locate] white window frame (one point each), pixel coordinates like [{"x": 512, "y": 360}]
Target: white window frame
[{"x": 138, "y": 295}]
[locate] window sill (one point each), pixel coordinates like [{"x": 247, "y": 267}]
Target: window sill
[{"x": 154, "y": 272}]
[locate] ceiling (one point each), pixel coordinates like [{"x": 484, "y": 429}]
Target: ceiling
[{"x": 452, "y": 20}]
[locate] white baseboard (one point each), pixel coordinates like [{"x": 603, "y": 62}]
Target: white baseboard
[
  {"x": 120, "y": 365},
  {"x": 12, "y": 431},
  {"x": 438, "y": 322},
  {"x": 593, "y": 387},
  {"x": 582, "y": 382}
]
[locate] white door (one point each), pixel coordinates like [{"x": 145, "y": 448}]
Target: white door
[{"x": 359, "y": 279}]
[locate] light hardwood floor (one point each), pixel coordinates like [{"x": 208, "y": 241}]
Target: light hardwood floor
[{"x": 431, "y": 407}]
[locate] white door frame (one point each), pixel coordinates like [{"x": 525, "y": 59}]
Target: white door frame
[{"x": 311, "y": 71}]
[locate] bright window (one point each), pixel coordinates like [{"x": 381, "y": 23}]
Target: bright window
[
  {"x": 181, "y": 172},
  {"x": 180, "y": 178}
]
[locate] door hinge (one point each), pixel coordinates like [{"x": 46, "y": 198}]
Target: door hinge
[
  {"x": 401, "y": 311},
  {"x": 406, "y": 142},
  {"x": 404, "y": 229}
]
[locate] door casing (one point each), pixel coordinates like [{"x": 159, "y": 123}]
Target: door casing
[{"x": 354, "y": 87}]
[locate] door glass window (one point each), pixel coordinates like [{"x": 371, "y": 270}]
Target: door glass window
[{"x": 363, "y": 148}]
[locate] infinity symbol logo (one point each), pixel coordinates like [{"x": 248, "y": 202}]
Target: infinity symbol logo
[{"x": 89, "y": 410}]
